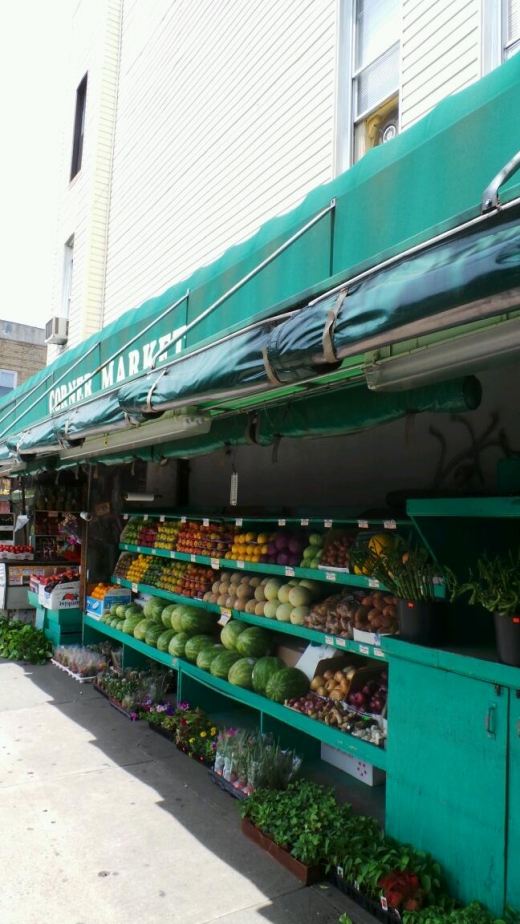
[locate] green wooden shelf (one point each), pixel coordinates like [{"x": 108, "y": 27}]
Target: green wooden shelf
[
  {"x": 125, "y": 639},
  {"x": 323, "y": 521},
  {"x": 485, "y": 507}
]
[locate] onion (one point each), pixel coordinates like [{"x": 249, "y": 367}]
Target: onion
[
  {"x": 282, "y": 558},
  {"x": 296, "y": 547},
  {"x": 281, "y": 541}
]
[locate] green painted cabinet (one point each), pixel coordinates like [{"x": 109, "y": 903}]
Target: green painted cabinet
[
  {"x": 513, "y": 831},
  {"x": 447, "y": 774}
]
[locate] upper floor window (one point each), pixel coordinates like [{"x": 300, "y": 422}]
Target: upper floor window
[
  {"x": 369, "y": 78},
  {"x": 8, "y": 380},
  {"x": 79, "y": 127}
]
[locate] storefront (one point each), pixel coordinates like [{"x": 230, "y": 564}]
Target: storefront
[{"x": 319, "y": 381}]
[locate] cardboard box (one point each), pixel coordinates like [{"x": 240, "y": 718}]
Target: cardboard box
[
  {"x": 359, "y": 769},
  {"x": 369, "y": 638},
  {"x": 97, "y": 608},
  {"x": 63, "y": 597},
  {"x": 39, "y": 571},
  {"x": 290, "y": 652}
]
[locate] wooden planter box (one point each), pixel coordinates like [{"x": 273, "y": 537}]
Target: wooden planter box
[{"x": 308, "y": 875}]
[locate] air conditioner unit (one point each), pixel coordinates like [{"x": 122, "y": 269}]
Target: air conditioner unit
[{"x": 57, "y": 330}]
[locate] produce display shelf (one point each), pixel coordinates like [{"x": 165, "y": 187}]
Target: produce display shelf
[
  {"x": 287, "y": 628},
  {"x": 485, "y": 507},
  {"x": 125, "y": 639},
  {"x": 337, "y": 739},
  {"x": 323, "y": 521},
  {"x": 314, "y": 574}
]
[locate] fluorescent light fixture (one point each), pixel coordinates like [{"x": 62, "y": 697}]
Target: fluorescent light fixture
[
  {"x": 469, "y": 353},
  {"x": 147, "y": 434}
]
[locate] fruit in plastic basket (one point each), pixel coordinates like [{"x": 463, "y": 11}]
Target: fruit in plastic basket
[
  {"x": 241, "y": 673},
  {"x": 195, "y": 621},
  {"x": 195, "y": 645},
  {"x": 230, "y": 634},
  {"x": 288, "y": 683},
  {"x": 222, "y": 664},
  {"x": 207, "y": 655},
  {"x": 264, "y": 669},
  {"x": 164, "y": 639},
  {"x": 254, "y": 642},
  {"x": 178, "y": 644}
]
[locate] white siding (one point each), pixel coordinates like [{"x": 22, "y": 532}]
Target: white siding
[
  {"x": 440, "y": 52},
  {"x": 225, "y": 118}
]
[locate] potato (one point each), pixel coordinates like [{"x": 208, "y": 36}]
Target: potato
[
  {"x": 339, "y": 676},
  {"x": 374, "y": 614},
  {"x": 368, "y": 601},
  {"x": 328, "y": 675},
  {"x": 362, "y": 613},
  {"x": 335, "y": 694},
  {"x": 330, "y": 685}
]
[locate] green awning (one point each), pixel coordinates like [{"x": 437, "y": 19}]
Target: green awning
[
  {"x": 91, "y": 417},
  {"x": 428, "y": 181}
]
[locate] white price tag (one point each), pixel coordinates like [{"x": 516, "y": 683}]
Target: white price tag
[
  {"x": 304, "y": 522},
  {"x": 125, "y": 516},
  {"x": 327, "y": 523},
  {"x": 329, "y": 640},
  {"x": 341, "y": 643},
  {"x": 364, "y": 649},
  {"x": 172, "y": 554},
  {"x": 145, "y": 518},
  {"x": 289, "y": 572},
  {"x": 53, "y": 513},
  {"x": 281, "y": 522},
  {"x": 225, "y": 616},
  {"x": 379, "y": 653},
  {"x": 372, "y": 582},
  {"x": 330, "y": 576},
  {"x": 339, "y": 870},
  {"x": 175, "y": 663},
  {"x": 389, "y": 524},
  {"x": 135, "y": 589},
  {"x": 162, "y": 519},
  {"x": 183, "y": 519},
  {"x": 362, "y": 524},
  {"x": 238, "y": 521},
  {"x": 118, "y": 581},
  {"x": 384, "y": 903},
  {"x": 215, "y": 564},
  {"x": 205, "y": 521},
  {"x": 240, "y": 564},
  {"x": 193, "y": 558}
]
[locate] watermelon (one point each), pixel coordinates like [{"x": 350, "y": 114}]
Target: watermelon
[
  {"x": 166, "y": 615},
  {"x": 131, "y": 622},
  {"x": 254, "y": 642},
  {"x": 114, "y": 622},
  {"x": 120, "y": 610},
  {"x": 106, "y": 617},
  {"x": 153, "y": 633},
  {"x": 153, "y": 609},
  {"x": 230, "y": 633},
  {"x": 141, "y": 629},
  {"x": 222, "y": 664},
  {"x": 177, "y": 612},
  {"x": 164, "y": 639},
  {"x": 118, "y": 624},
  {"x": 195, "y": 621},
  {"x": 195, "y": 644},
  {"x": 263, "y": 670},
  {"x": 207, "y": 655},
  {"x": 241, "y": 673},
  {"x": 289, "y": 683},
  {"x": 133, "y": 608},
  {"x": 178, "y": 644},
  {"x": 113, "y": 610}
]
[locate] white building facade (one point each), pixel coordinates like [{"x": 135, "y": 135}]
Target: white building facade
[{"x": 192, "y": 124}]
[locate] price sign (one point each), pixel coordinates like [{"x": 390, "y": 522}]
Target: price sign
[
  {"x": 175, "y": 663},
  {"x": 193, "y": 558},
  {"x": 125, "y": 516},
  {"x": 145, "y": 518},
  {"x": 162, "y": 519},
  {"x": 379, "y": 653},
  {"x": 363, "y": 649},
  {"x": 329, "y": 640},
  {"x": 327, "y": 524},
  {"x": 341, "y": 643},
  {"x": 304, "y": 522},
  {"x": 362, "y": 524},
  {"x": 330, "y": 576},
  {"x": 281, "y": 522},
  {"x": 172, "y": 554},
  {"x": 372, "y": 582},
  {"x": 135, "y": 589},
  {"x": 183, "y": 519},
  {"x": 215, "y": 564},
  {"x": 240, "y": 564},
  {"x": 205, "y": 521},
  {"x": 384, "y": 903},
  {"x": 225, "y": 616},
  {"x": 289, "y": 572},
  {"x": 377, "y": 638},
  {"x": 238, "y": 521},
  {"x": 118, "y": 581},
  {"x": 389, "y": 524}
]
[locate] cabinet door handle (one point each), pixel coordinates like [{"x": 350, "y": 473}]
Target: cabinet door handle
[{"x": 490, "y": 720}]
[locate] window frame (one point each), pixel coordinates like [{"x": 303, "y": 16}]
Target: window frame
[{"x": 79, "y": 127}]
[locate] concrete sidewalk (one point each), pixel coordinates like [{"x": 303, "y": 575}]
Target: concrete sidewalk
[{"x": 105, "y": 822}]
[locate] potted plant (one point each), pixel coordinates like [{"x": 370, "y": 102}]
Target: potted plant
[
  {"x": 409, "y": 572},
  {"x": 495, "y": 585}
]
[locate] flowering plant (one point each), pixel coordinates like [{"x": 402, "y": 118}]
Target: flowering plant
[{"x": 196, "y": 735}]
